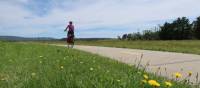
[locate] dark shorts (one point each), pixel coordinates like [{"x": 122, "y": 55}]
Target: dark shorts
[
  {"x": 70, "y": 34},
  {"x": 70, "y": 37}
]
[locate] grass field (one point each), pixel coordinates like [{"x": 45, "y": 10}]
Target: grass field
[
  {"x": 183, "y": 46},
  {"x": 41, "y": 66}
]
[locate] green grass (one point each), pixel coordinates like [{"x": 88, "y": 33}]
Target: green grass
[
  {"x": 184, "y": 46},
  {"x": 40, "y": 66}
]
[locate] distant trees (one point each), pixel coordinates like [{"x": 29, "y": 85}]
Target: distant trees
[
  {"x": 146, "y": 35},
  {"x": 196, "y": 27},
  {"x": 179, "y": 29}
]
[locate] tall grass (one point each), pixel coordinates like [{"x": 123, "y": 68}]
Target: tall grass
[{"x": 41, "y": 66}]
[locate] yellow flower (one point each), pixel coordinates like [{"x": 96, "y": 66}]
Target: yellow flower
[
  {"x": 178, "y": 75},
  {"x": 168, "y": 84},
  {"x": 154, "y": 83},
  {"x": 189, "y": 73},
  {"x": 145, "y": 76},
  {"x": 144, "y": 81},
  {"x": 61, "y": 67}
]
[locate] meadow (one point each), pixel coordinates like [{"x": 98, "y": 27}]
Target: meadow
[
  {"x": 181, "y": 46},
  {"x": 31, "y": 65}
]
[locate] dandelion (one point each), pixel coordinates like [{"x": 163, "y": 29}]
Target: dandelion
[
  {"x": 145, "y": 76},
  {"x": 154, "y": 83},
  {"x": 33, "y": 74},
  {"x": 91, "y": 69},
  {"x": 189, "y": 73},
  {"x": 61, "y": 67},
  {"x": 178, "y": 75},
  {"x": 168, "y": 84}
]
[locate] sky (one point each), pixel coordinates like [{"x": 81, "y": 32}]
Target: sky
[{"x": 92, "y": 18}]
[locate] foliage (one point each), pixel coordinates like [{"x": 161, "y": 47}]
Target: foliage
[
  {"x": 179, "y": 29},
  {"x": 196, "y": 27}
]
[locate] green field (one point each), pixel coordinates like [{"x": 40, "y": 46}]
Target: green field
[
  {"x": 28, "y": 65},
  {"x": 182, "y": 46}
]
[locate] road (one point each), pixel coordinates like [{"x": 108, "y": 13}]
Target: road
[{"x": 168, "y": 62}]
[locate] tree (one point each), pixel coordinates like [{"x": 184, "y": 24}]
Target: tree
[
  {"x": 177, "y": 30},
  {"x": 124, "y": 37},
  {"x": 196, "y": 28}
]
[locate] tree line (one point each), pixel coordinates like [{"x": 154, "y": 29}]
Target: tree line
[{"x": 179, "y": 29}]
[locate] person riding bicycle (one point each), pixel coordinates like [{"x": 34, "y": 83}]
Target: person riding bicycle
[{"x": 70, "y": 34}]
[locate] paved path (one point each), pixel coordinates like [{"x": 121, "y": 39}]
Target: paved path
[{"x": 172, "y": 62}]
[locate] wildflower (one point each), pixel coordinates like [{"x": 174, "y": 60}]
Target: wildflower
[
  {"x": 33, "y": 74},
  {"x": 145, "y": 76},
  {"x": 189, "y": 73},
  {"x": 144, "y": 81},
  {"x": 61, "y": 67},
  {"x": 91, "y": 69},
  {"x": 168, "y": 84},
  {"x": 154, "y": 83},
  {"x": 178, "y": 75}
]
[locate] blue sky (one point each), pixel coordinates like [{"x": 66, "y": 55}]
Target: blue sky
[{"x": 92, "y": 18}]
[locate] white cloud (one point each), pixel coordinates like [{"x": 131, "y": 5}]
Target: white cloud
[{"x": 90, "y": 14}]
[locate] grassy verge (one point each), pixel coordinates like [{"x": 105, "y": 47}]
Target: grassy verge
[
  {"x": 184, "y": 46},
  {"x": 40, "y": 66}
]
